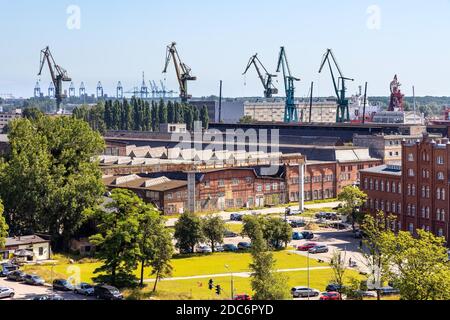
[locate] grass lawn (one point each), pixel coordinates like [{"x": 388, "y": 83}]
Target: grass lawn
[
  {"x": 234, "y": 227},
  {"x": 198, "y": 289},
  {"x": 184, "y": 266}
]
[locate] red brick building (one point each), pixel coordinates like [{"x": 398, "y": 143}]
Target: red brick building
[{"x": 424, "y": 180}]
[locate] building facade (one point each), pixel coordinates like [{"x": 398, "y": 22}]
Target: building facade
[{"x": 424, "y": 194}]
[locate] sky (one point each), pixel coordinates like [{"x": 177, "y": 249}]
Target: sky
[{"x": 112, "y": 40}]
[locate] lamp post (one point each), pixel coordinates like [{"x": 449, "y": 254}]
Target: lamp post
[
  {"x": 53, "y": 289},
  {"x": 308, "y": 276},
  {"x": 232, "y": 281}
]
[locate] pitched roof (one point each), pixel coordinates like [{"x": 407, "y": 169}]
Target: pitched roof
[{"x": 24, "y": 240}]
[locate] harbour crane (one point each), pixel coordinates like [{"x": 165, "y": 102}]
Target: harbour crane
[
  {"x": 163, "y": 89},
  {"x": 266, "y": 80},
  {"x": 291, "y": 113},
  {"x": 58, "y": 74},
  {"x": 342, "y": 112},
  {"x": 182, "y": 70}
]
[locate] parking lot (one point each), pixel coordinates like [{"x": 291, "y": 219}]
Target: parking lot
[{"x": 28, "y": 292}]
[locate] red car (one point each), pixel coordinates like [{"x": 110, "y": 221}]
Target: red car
[
  {"x": 307, "y": 246},
  {"x": 242, "y": 297},
  {"x": 331, "y": 296}
]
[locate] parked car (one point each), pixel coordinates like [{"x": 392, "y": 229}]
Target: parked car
[
  {"x": 230, "y": 234},
  {"x": 50, "y": 297},
  {"x": 230, "y": 248},
  {"x": 242, "y": 297},
  {"x": 236, "y": 217},
  {"x": 331, "y": 296},
  {"x": 219, "y": 248},
  {"x": 339, "y": 226},
  {"x": 319, "y": 249},
  {"x": 6, "y": 268},
  {"x": 389, "y": 291},
  {"x": 308, "y": 235},
  {"x": 62, "y": 285},
  {"x": 204, "y": 249},
  {"x": 332, "y": 287},
  {"x": 105, "y": 292},
  {"x": 297, "y": 223},
  {"x": 34, "y": 280},
  {"x": 17, "y": 276},
  {"x": 84, "y": 289},
  {"x": 307, "y": 246},
  {"x": 6, "y": 293},
  {"x": 297, "y": 236},
  {"x": 359, "y": 234},
  {"x": 366, "y": 294},
  {"x": 186, "y": 251},
  {"x": 303, "y": 292},
  {"x": 244, "y": 246}
]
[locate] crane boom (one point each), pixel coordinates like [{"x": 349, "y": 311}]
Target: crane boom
[
  {"x": 342, "y": 112},
  {"x": 183, "y": 72},
  {"x": 291, "y": 113},
  {"x": 57, "y": 73},
  {"x": 266, "y": 80}
]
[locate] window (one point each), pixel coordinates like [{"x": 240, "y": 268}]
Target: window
[
  {"x": 441, "y": 232},
  {"x": 170, "y": 196},
  {"x": 438, "y": 194},
  {"x": 423, "y": 192},
  {"x": 399, "y": 188},
  {"x": 410, "y": 157},
  {"x": 221, "y": 183},
  {"x": 413, "y": 189},
  {"x": 207, "y": 184},
  {"x": 388, "y": 206},
  {"x": 409, "y": 189},
  {"x": 275, "y": 186},
  {"x": 249, "y": 180},
  {"x": 394, "y": 207},
  {"x": 41, "y": 251},
  {"x": 440, "y": 176},
  {"x": 428, "y": 192},
  {"x": 413, "y": 209},
  {"x": 443, "y": 194},
  {"x": 376, "y": 185},
  {"x": 259, "y": 188},
  {"x": 268, "y": 187},
  {"x": 388, "y": 187},
  {"x": 427, "y": 213},
  {"x": 411, "y": 173},
  {"x": 235, "y": 182},
  {"x": 382, "y": 186},
  {"x": 440, "y": 160},
  {"x": 366, "y": 183},
  {"x": 411, "y": 228},
  {"x": 394, "y": 187},
  {"x": 371, "y": 184}
]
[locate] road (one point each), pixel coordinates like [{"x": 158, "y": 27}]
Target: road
[{"x": 27, "y": 292}]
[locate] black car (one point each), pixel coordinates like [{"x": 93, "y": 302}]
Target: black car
[
  {"x": 308, "y": 235},
  {"x": 236, "y": 217},
  {"x": 334, "y": 288},
  {"x": 62, "y": 285},
  {"x": 230, "y": 234},
  {"x": 105, "y": 292},
  {"x": 297, "y": 224},
  {"x": 52, "y": 297},
  {"x": 16, "y": 275},
  {"x": 244, "y": 246}
]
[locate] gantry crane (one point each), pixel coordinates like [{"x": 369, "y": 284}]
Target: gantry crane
[
  {"x": 291, "y": 113},
  {"x": 266, "y": 80},
  {"x": 342, "y": 112},
  {"x": 57, "y": 73},
  {"x": 182, "y": 70}
]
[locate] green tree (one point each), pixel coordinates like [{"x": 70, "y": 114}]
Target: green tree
[
  {"x": 246, "y": 120},
  {"x": 353, "y": 199},
  {"x": 204, "y": 117},
  {"x": 49, "y": 178},
  {"x": 155, "y": 117},
  {"x": 116, "y": 242},
  {"x": 162, "y": 112},
  {"x": 213, "y": 229},
  {"x": 373, "y": 250},
  {"x": 188, "y": 232},
  {"x": 32, "y": 113},
  {"x": 3, "y": 227},
  {"x": 420, "y": 268},
  {"x": 160, "y": 262},
  {"x": 339, "y": 267},
  {"x": 171, "y": 112},
  {"x": 277, "y": 232},
  {"x": 266, "y": 282}
]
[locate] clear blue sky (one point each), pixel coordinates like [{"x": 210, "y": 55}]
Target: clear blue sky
[{"x": 120, "y": 39}]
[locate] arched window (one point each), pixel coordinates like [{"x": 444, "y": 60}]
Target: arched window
[
  {"x": 428, "y": 192},
  {"x": 427, "y": 213},
  {"x": 438, "y": 194},
  {"x": 413, "y": 189},
  {"x": 443, "y": 194},
  {"x": 394, "y": 187},
  {"x": 382, "y": 185},
  {"x": 409, "y": 189},
  {"x": 388, "y": 187},
  {"x": 399, "y": 188},
  {"x": 394, "y": 207}
]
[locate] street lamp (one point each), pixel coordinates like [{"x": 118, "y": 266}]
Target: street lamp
[{"x": 232, "y": 281}]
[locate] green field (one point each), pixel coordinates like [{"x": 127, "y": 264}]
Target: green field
[
  {"x": 183, "y": 266},
  {"x": 198, "y": 289}
]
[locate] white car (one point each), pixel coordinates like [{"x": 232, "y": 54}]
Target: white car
[
  {"x": 304, "y": 292},
  {"x": 204, "y": 249},
  {"x": 6, "y": 293}
]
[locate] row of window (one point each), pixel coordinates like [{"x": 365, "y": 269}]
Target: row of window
[
  {"x": 386, "y": 206},
  {"x": 382, "y": 185},
  {"x": 412, "y": 229},
  {"x": 426, "y": 157},
  {"x": 236, "y": 182}
]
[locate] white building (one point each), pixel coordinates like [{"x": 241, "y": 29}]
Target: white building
[
  {"x": 5, "y": 118},
  {"x": 26, "y": 249}
]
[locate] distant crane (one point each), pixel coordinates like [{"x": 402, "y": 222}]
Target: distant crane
[
  {"x": 119, "y": 90},
  {"x": 72, "y": 90},
  {"x": 144, "y": 88},
  {"x": 163, "y": 89},
  {"x": 342, "y": 113},
  {"x": 157, "y": 91},
  {"x": 182, "y": 70},
  {"x": 99, "y": 90},
  {"x": 291, "y": 113},
  {"x": 58, "y": 74},
  {"x": 82, "y": 90},
  {"x": 37, "y": 89},
  {"x": 266, "y": 80},
  {"x": 51, "y": 90}
]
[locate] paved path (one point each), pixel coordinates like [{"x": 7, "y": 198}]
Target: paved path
[{"x": 237, "y": 275}]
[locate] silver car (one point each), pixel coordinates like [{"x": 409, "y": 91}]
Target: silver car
[
  {"x": 6, "y": 293},
  {"x": 84, "y": 289}
]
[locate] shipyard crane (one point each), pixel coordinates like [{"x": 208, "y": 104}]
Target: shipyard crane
[
  {"x": 58, "y": 74},
  {"x": 266, "y": 80},
  {"x": 342, "y": 112},
  {"x": 182, "y": 70},
  {"x": 163, "y": 89},
  {"x": 291, "y": 113}
]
